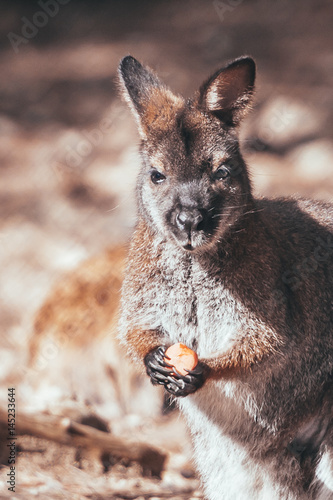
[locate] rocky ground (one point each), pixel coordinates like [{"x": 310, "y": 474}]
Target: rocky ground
[{"x": 68, "y": 160}]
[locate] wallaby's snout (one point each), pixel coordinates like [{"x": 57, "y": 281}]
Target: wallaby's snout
[
  {"x": 188, "y": 219},
  {"x": 189, "y": 226}
]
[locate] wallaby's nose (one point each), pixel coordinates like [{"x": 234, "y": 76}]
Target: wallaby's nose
[{"x": 189, "y": 219}]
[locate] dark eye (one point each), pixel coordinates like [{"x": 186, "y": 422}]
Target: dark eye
[
  {"x": 221, "y": 173},
  {"x": 157, "y": 177}
]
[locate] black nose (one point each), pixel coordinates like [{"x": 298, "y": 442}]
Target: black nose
[{"x": 189, "y": 219}]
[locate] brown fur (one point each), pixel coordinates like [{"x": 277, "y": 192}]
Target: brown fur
[
  {"x": 160, "y": 111},
  {"x": 244, "y": 353},
  {"x": 84, "y": 304}
]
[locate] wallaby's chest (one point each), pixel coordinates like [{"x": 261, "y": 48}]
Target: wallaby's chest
[{"x": 196, "y": 308}]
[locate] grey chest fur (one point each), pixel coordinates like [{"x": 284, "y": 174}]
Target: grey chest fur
[{"x": 195, "y": 308}]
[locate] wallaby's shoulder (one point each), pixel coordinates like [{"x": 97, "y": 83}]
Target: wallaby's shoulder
[
  {"x": 300, "y": 232},
  {"x": 297, "y": 223},
  {"x": 297, "y": 209},
  {"x": 320, "y": 211}
]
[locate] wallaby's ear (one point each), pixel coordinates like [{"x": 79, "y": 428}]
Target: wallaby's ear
[
  {"x": 138, "y": 83},
  {"x": 228, "y": 92},
  {"x": 150, "y": 100}
]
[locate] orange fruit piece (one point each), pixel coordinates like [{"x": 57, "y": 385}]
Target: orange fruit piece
[{"x": 181, "y": 357}]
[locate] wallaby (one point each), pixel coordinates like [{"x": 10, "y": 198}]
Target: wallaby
[{"x": 246, "y": 283}]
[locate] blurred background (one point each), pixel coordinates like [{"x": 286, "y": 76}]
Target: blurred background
[{"x": 68, "y": 162}]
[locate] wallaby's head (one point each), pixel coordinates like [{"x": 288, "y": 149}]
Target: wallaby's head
[{"x": 193, "y": 186}]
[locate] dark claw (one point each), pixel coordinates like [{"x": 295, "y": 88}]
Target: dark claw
[
  {"x": 158, "y": 378},
  {"x": 177, "y": 382},
  {"x": 198, "y": 370},
  {"x": 191, "y": 382},
  {"x": 156, "y": 367},
  {"x": 184, "y": 385},
  {"x": 179, "y": 391},
  {"x": 159, "y": 355}
]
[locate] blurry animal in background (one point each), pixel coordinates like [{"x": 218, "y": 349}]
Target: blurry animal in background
[
  {"x": 245, "y": 283},
  {"x": 74, "y": 352}
]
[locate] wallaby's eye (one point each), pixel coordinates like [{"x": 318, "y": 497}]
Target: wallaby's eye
[
  {"x": 221, "y": 173},
  {"x": 157, "y": 177}
]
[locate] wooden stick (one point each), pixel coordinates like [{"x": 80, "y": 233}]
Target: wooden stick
[
  {"x": 65, "y": 431},
  {"x": 148, "y": 493}
]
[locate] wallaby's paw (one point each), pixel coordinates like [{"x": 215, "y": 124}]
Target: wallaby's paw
[{"x": 160, "y": 372}]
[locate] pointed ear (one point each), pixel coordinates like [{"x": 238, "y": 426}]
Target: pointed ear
[
  {"x": 228, "y": 93},
  {"x": 152, "y": 103},
  {"x": 138, "y": 83}
]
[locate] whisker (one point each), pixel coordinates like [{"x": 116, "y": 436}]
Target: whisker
[
  {"x": 253, "y": 211},
  {"x": 114, "y": 208}
]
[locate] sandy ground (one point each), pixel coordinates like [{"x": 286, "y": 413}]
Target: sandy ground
[{"x": 68, "y": 161}]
